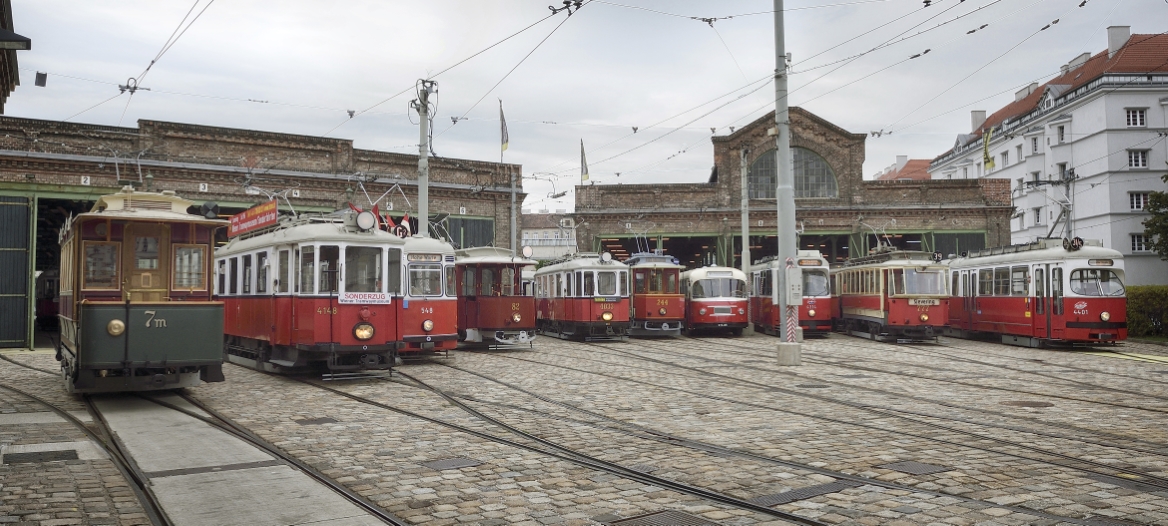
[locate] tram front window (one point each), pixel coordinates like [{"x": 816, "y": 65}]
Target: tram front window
[
  {"x": 912, "y": 281},
  {"x": 362, "y": 269},
  {"x": 425, "y": 279},
  {"x": 329, "y": 256},
  {"x": 606, "y": 283},
  {"x": 815, "y": 283},
  {"x": 718, "y": 288},
  {"x": 1096, "y": 282}
]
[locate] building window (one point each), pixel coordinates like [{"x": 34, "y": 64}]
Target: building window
[
  {"x": 1034, "y": 177},
  {"x": 1062, "y": 170},
  {"x": 1018, "y": 150},
  {"x": 1141, "y": 243},
  {"x": 1139, "y": 201},
  {"x": 1137, "y": 158},
  {"x": 1034, "y": 145},
  {"x": 813, "y": 176},
  {"x": 1005, "y": 159},
  {"x": 965, "y": 173},
  {"x": 1062, "y": 136},
  {"x": 1136, "y": 118},
  {"x": 1038, "y": 216}
]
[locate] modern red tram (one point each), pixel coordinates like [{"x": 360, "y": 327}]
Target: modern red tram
[
  {"x": 892, "y": 295},
  {"x": 1036, "y": 294},
  {"x": 658, "y": 305},
  {"x": 492, "y": 306},
  {"x": 337, "y": 291},
  {"x": 584, "y": 295},
  {"x": 715, "y": 300},
  {"x": 817, "y": 311}
]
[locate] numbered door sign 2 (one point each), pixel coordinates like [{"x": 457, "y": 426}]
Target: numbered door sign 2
[{"x": 85, "y": 180}]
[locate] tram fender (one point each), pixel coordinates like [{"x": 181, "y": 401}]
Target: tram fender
[{"x": 211, "y": 373}]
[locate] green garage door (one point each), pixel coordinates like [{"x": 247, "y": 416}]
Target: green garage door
[{"x": 14, "y": 314}]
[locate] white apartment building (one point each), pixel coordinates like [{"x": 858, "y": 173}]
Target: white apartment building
[
  {"x": 1083, "y": 151},
  {"x": 550, "y": 236}
]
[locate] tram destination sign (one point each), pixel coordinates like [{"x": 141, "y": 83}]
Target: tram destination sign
[
  {"x": 365, "y": 297},
  {"x": 254, "y": 218}
]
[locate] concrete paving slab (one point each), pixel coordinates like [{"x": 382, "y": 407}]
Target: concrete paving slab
[
  {"x": 41, "y": 417},
  {"x": 86, "y": 449}
]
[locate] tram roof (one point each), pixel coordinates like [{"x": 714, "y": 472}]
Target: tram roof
[
  {"x": 892, "y": 258},
  {"x": 580, "y": 261},
  {"x": 321, "y": 229},
  {"x": 489, "y": 256},
  {"x": 713, "y": 272},
  {"x": 1041, "y": 250},
  {"x": 130, "y": 204},
  {"x": 652, "y": 260}
]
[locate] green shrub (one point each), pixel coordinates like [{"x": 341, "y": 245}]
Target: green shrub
[{"x": 1147, "y": 310}]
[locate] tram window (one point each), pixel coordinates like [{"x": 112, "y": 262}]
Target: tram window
[
  {"x": 282, "y": 280},
  {"x": 954, "y": 285},
  {"x": 923, "y": 282},
  {"x": 964, "y": 285},
  {"x": 488, "y": 283},
  {"x": 985, "y": 282},
  {"x": 246, "y": 274},
  {"x": 670, "y": 281},
  {"x": 1056, "y": 290},
  {"x": 261, "y": 273},
  {"x": 362, "y": 269},
  {"x": 1019, "y": 281},
  {"x": 640, "y": 284},
  {"x": 190, "y": 267},
  {"x": 559, "y": 289},
  {"x": 221, "y": 277},
  {"x": 589, "y": 284},
  {"x": 579, "y": 283},
  {"x": 507, "y": 280},
  {"x": 468, "y": 281},
  {"x": 1040, "y": 291},
  {"x": 146, "y": 253},
  {"x": 606, "y": 283},
  {"x": 1002, "y": 281},
  {"x": 624, "y": 283},
  {"x": 897, "y": 281},
  {"x": 814, "y": 283},
  {"x": 425, "y": 279},
  {"x": 1096, "y": 282},
  {"x": 451, "y": 286},
  {"x": 568, "y": 285},
  {"x": 233, "y": 276},
  {"x": 394, "y": 275},
  {"x": 329, "y": 258},
  {"x": 307, "y": 267},
  {"x": 101, "y": 265}
]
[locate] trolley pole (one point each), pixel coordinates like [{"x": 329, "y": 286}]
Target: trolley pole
[
  {"x": 788, "y": 350},
  {"x": 422, "y": 104},
  {"x": 745, "y": 213}
]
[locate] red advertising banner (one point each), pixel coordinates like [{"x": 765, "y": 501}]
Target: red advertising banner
[{"x": 253, "y": 218}]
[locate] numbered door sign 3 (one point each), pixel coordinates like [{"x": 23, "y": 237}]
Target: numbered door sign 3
[{"x": 202, "y": 187}]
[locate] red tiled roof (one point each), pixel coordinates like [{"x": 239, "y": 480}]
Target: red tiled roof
[{"x": 914, "y": 169}]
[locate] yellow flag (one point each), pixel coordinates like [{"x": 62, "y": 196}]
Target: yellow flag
[{"x": 987, "y": 159}]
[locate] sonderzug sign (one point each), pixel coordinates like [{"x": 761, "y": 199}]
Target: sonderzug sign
[
  {"x": 364, "y": 297},
  {"x": 253, "y": 218}
]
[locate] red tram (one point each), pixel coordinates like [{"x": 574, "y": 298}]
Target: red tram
[
  {"x": 492, "y": 306},
  {"x": 337, "y": 291},
  {"x": 715, "y": 299},
  {"x": 897, "y": 295},
  {"x": 585, "y": 296},
  {"x": 1050, "y": 291},
  {"x": 658, "y": 306},
  {"x": 817, "y": 312}
]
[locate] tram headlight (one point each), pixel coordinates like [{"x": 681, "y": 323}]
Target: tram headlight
[
  {"x": 924, "y": 317},
  {"x": 516, "y": 317},
  {"x": 363, "y": 331},
  {"x": 811, "y": 313},
  {"x": 661, "y": 311},
  {"x": 115, "y": 327},
  {"x": 741, "y": 310},
  {"x": 702, "y": 310},
  {"x": 606, "y": 316},
  {"x": 428, "y": 325},
  {"x": 1105, "y": 315}
]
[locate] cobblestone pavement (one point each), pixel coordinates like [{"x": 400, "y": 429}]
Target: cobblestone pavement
[{"x": 1017, "y": 436}]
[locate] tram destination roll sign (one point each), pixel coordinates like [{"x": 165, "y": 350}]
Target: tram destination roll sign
[{"x": 254, "y": 218}]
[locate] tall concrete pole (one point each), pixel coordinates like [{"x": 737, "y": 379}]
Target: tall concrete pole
[
  {"x": 745, "y": 213},
  {"x": 423, "y": 107},
  {"x": 785, "y": 192}
]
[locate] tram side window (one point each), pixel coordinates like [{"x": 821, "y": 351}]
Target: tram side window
[
  {"x": 606, "y": 283},
  {"x": 579, "y": 283},
  {"x": 190, "y": 267},
  {"x": 221, "y": 277},
  {"x": 954, "y": 283},
  {"x": 559, "y": 289},
  {"x": 507, "y": 280},
  {"x": 568, "y": 285},
  {"x": 393, "y": 280},
  {"x": 624, "y": 284},
  {"x": 233, "y": 276},
  {"x": 589, "y": 284},
  {"x": 1040, "y": 291},
  {"x": 1019, "y": 281},
  {"x": 261, "y": 273},
  {"x": 101, "y": 265},
  {"x": 488, "y": 287},
  {"x": 329, "y": 258},
  {"x": 451, "y": 287},
  {"x": 1056, "y": 290},
  {"x": 468, "y": 281},
  {"x": 985, "y": 282},
  {"x": 307, "y": 265},
  {"x": 282, "y": 280},
  {"x": 964, "y": 285},
  {"x": 362, "y": 269},
  {"x": 247, "y": 274},
  {"x": 1002, "y": 281}
]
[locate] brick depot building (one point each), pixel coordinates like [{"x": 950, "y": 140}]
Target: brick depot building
[
  {"x": 838, "y": 213},
  {"x": 50, "y": 169}
]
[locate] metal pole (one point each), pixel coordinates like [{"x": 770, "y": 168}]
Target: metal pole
[
  {"x": 514, "y": 241},
  {"x": 423, "y": 107},
  {"x": 785, "y": 193},
  {"x": 745, "y": 213}
]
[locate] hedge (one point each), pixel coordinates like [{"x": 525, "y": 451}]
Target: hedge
[{"x": 1147, "y": 310}]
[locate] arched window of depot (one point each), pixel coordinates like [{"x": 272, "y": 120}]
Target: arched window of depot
[{"x": 813, "y": 177}]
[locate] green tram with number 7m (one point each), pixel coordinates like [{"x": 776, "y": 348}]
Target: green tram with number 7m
[{"x": 136, "y": 310}]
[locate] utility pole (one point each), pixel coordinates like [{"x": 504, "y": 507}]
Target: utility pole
[
  {"x": 788, "y": 349},
  {"x": 745, "y": 213},
  {"x": 422, "y": 105}
]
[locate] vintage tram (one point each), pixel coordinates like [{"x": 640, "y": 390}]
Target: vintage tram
[
  {"x": 715, "y": 300},
  {"x": 1042, "y": 293},
  {"x": 658, "y": 305},
  {"x": 584, "y": 295},
  {"x": 334, "y": 292},
  {"x": 136, "y": 311},
  {"x": 893, "y": 295},
  {"x": 492, "y": 307},
  {"x": 817, "y": 312}
]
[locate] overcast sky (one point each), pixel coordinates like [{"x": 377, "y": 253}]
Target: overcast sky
[{"x": 609, "y": 67}]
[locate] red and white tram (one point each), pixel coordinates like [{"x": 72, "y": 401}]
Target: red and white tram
[
  {"x": 898, "y": 295},
  {"x": 1050, "y": 291},
  {"x": 715, "y": 299},
  {"x": 337, "y": 291},
  {"x": 585, "y": 296},
  {"x": 817, "y": 311},
  {"x": 658, "y": 305},
  {"x": 492, "y": 306}
]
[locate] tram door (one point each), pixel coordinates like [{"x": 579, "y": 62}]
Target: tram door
[
  {"x": 969, "y": 293},
  {"x": 146, "y": 276},
  {"x": 1041, "y": 316},
  {"x": 1057, "y": 320}
]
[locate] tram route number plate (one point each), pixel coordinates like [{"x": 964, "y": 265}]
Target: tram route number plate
[{"x": 924, "y": 302}]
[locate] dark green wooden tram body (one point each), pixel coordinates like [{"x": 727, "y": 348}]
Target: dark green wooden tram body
[{"x": 136, "y": 307}]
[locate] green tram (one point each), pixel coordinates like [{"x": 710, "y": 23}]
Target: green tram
[{"x": 136, "y": 311}]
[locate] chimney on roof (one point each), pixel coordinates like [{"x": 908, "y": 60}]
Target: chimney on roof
[
  {"x": 977, "y": 118},
  {"x": 901, "y": 160},
  {"x": 1079, "y": 61},
  {"x": 1116, "y": 37},
  {"x": 1024, "y": 92}
]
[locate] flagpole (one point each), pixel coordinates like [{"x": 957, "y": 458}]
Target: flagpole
[{"x": 504, "y": 142}]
